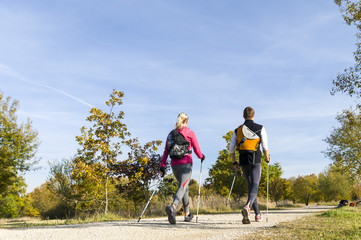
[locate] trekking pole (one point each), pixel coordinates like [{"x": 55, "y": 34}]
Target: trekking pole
[
  {"x": 150, "y": 199},
  {"x": 230, "y": 191},
  {"x": 267, "y": 189},
  {"x": 199, "y": 190}
]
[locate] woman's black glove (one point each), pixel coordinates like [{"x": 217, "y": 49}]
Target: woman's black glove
[
  {"x": 162, "y": 169},
  {"x": 202, "y": 159}
]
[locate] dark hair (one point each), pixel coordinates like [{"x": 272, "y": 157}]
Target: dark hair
[{"x": 248, "y": 113}]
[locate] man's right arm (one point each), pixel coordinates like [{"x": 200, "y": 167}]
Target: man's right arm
[{"x": 232, "y": 147}]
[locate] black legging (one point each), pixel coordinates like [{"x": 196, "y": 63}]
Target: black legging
[{"x": 252, "y": 173}]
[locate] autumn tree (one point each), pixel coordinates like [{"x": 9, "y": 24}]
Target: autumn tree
[
  {"x": 27, "y": 208},
  {"x": 349, "y": 81},
  {"x": 60, "y": 182},
  {"x": 100, "y": 167},
  {"x": 334, "y": 185},
  {"x": 344, "y": 144},
  {"x": 305, "y": 188},
  {"x": 100, "y": 149},
  {"x": 18, "y": 144},
  {"x": 138, "y": 171},
  {"x": 356, "y": 191},
  {"x": 279, "y": 189},
  {"x": 47, "y": 202},
  {"x": 16, "y": 203},
  {"x": 347, "y": 160}
]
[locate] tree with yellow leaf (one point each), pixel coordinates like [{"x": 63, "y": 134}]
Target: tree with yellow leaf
[
  {"x": 99, "y": 161},
  {"x": 100, "y": 150},
  {"x": 18, "y": 146},
  {"x": 305, "y": 189},
  {"x": 139, "y": 170}
]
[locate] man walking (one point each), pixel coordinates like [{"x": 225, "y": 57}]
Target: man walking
[{"x": 247, "y": 139}]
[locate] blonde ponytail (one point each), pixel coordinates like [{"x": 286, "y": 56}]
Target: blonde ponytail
[{"x": 182, "y": 120}]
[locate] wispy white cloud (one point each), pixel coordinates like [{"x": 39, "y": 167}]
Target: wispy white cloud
[
  {"x": 33, "y": 115},
  {"x": 7, "y": 70}
]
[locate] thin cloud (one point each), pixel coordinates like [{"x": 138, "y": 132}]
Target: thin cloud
[
  {"x": 33, "y": 115},
  {"x": 7, "y": 70}
]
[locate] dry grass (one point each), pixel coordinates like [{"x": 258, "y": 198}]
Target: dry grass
[
  {"x": 28, "y": 222},
  {"x": 36, "y": 222}
]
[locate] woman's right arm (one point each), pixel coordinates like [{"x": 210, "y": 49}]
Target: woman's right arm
[{"x": 163, "y": 162}]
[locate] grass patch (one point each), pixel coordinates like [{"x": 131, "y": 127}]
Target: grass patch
[
  {"x": 342, "y": 223},
  {"x": 36, "y": 222},
  {"x": 29, "y": 222}
]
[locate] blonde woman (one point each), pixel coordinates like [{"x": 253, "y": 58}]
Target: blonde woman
[{"x": 179, "y": 145}]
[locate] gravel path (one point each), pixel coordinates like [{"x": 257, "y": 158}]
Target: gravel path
[{"x": 210, "y": 226}]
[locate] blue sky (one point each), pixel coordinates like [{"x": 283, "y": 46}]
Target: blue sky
[{"x": 209, "y": 59}]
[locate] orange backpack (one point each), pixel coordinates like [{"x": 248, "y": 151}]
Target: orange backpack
[{"x": 247, "y": 139}]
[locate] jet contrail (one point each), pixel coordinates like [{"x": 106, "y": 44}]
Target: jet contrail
[{"x": 16, "y": 75}]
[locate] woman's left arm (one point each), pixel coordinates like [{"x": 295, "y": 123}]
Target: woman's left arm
[{"x": 195, "y": 145}]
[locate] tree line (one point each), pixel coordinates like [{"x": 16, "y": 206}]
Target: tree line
[
  {"x": 101, "y": 178},
  {"x": 113, "y": 172}
]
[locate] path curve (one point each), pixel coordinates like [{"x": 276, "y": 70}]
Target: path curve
[{"x": 210, "y": 226}]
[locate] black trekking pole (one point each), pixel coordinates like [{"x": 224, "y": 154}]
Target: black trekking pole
[
  {"x": 230, "y": 191},
  {"x": 199, "y": 190},
  {"x": 150, "y": 198}
]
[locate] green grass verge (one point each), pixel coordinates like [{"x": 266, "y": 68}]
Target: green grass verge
[{"x": 342, "y": 223}]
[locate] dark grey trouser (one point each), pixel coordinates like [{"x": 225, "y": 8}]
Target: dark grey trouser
[
  {"x": 183, "y": 174},
  {"x": 252, "y": 173}
]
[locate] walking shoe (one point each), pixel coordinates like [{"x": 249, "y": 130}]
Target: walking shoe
[
  {"x": 258, "y": 218},
  {"x": 171, "y": 214},
  {"x": 245, "y": 213},
  {"x": 188, "y": 218}
]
